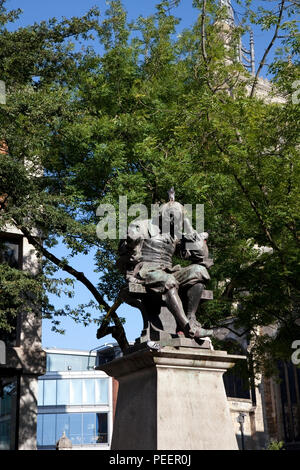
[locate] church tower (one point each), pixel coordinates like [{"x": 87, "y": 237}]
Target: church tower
[{"x": 244, "y": 56}]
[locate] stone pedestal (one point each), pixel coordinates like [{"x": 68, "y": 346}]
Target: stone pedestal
[{"x": 172, "y": 398}]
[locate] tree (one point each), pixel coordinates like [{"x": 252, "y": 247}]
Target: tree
[{"x": 156, "y": 110}]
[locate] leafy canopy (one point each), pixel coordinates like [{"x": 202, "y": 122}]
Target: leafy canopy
[{"x": 155, "y": 110}]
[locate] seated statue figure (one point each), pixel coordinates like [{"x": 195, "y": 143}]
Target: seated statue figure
[{"x": 168, "y": 296}]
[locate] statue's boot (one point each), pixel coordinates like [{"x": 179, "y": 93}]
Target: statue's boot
[{"x": 194, "y": 330}]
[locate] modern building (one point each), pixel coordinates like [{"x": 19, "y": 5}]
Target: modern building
[{"x": 76, "y": 399}]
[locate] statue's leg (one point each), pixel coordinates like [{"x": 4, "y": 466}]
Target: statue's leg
[
  {"x": 191, "y": 328},
  {"x": 193, "y": 295},
  {"x": 174, "y": 304}
]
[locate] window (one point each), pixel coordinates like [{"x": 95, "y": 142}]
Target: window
[
  {"x": 56, "y": 362},
  {"x": 10, "y": 251},
  {"x": 80, "y": 428},
  {"x": 40, "y": 392},
  {"x": 88, "y": 391},
  {"x": 101, "y": 391},
  {"x": 62, "y": 425},
  {"x": 237, "y": 380},
  {"x": 289, "y": 376},
  {"x": 101, "y": 430},
  {"x": 63, "y": 392},
  {"x": 73, "y": 392},
  {"x": 62, "y": 362},
  {"x": 49, "y": 429},
  {"x": 39, "y": 435},
  {"x": 236, "y": 384},
  {"x": 108, "y": 355},
  {"x": 8, "y": 398},
  {"x": 89, "y": 428},
  {"x": 49, "y": 392},
  {"x": 75, "y": 431}
]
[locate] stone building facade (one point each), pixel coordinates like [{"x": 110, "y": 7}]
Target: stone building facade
[
  {"x": 271, "y": 411},
  {"x": 23, "y": 359}
]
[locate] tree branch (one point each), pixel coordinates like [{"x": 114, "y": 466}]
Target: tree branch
[
  {"x": 251, "y": 202},
  {"x": 203, "y": 39},
  {"x": 264, "y": 57},
  {"x": 118, "y": 331}
]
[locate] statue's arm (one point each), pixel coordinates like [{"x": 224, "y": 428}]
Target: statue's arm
[{"x": 193, "y": 245}]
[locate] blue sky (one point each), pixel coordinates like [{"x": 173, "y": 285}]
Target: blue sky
[
  {"x": 77, "y": 336},
  {"x": 38, "y": 10}
]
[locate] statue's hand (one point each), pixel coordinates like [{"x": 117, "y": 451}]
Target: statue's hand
[{"x": 204, "y": 235}]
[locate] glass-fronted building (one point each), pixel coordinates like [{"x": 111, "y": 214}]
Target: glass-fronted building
[
  {"x": 76, "y": 399},
  {"x": 8, "y": 412}
]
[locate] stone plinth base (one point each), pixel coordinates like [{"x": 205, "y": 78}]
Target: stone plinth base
[{"x": 173, "y": 398}]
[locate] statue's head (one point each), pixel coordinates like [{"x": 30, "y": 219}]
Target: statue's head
[{"x": 171, "y": 217}]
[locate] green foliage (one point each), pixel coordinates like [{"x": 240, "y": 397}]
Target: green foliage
[
  {"x": 275, "y": 445},
  {"x": 151, "y": 112}
]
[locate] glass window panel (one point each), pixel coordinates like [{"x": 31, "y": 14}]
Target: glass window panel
[
  {"x": 63, "y": 392},
  {"x": 49, "y": 430},
  {"x": 101, "y": 391},
  {"x": 62, "y": 425},
  {"x": 91, "y": 362},
  {"x": 6, "y": 401},
  {"x": 75, "y": 392},
  {"x": 75, "y": 433},
  {"x": 7, "y": 412},
  {"x": 40, "y": 419},
  {"x": 9, "y": 253},
  {"x": 101, "y": 428},
  {"x": 62, "y": 362},
  {"x": 40, "y": 393},
  {"x": 88, "y": 392},
  {"x": 89, "y": 428},
  {"x": 78, "y": 362},
  {"x": 5, "y": 434},
  {"x": 49, "y": 392},
  {"x": 56, "y": 362}
]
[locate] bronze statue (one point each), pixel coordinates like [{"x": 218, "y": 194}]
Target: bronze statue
[{"x": 168, "y": 296}]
